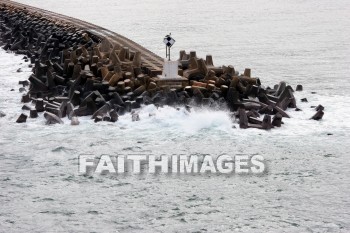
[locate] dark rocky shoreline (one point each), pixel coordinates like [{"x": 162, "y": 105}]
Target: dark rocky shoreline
[{"x": 76, "y": 73}]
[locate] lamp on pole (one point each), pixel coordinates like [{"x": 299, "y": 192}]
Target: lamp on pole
[{"x": 168, "y": 41}]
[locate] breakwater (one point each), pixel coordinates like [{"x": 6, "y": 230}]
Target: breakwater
[{"x": 80, "y": 69}]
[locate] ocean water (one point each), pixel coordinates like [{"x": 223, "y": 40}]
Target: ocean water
[{"x": 306, "y": 186}]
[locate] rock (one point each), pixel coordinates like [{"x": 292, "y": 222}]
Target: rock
[
  {"x": 318, "y": 116},
  {"x": 19, "y": 70},
  {"x": 22, "y": 118},
  {"x": 52, "y": 118},
  {"x": 299, "y": 87},
  {"x": 304, "y": 100},
  {"x": 2, "y": 114},
  {"x": 74, "y": 121},
  {"x": 22, "y": 89}
]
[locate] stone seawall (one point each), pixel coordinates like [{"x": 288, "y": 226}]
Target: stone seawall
[{"x": 80, "y": 69}]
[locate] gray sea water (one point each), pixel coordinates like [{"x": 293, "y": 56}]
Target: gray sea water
[{"x": 306, "y": 187}]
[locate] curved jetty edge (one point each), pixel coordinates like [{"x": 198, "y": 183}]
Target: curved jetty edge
[{"x": 80, "y": 69}]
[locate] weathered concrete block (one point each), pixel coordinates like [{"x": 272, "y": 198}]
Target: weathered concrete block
[
  {"x": 53, "y": 110},
  {"x": 266, "y": 123},
  {"x": 22, "y": 118},
  {"x": 136, "y": 62},
  {"x": 86, "y": 110},
  {"x": 63, "y": 109},
  {"x": 243, "y": 119},
  {"x": 98, "y": 119},
  {"x": 135, "y": 116},
  {"x": 26, "y": 107},
  {"x": 39, "y": 105},
  {"x": 318, "y": 116},
  {"x": 280, "y": 111},
  {"x": 281, "y": 87},
  {"x": 74, "y": 121},
  {"x": 106, "y": 118},
  {"x": 25, "y": 98},
  {"x": 319, "y": 107},
  {"x": 277, "y": 120},
  {"x": 37, "y": 84},
  {"x": 135, "y": 105},
  {"x": 24, "y": 83},
  {"x": 70, "y": 110},
  {"x": 121, "y": 110},
  {"x": 33, "y": 113},
  {"x": 232, "y": 98},
  {"x": 247, "y": 72},
  {"x": 266, "y": 110},
  {"x": 293, "y": 103},
  {"x": 114, "y": 115},
  {"x": 284, "y": 103},
  {"x": 101, "y": 111},
  {"x": 52, "y": 118},
  {"x": 253, "y": 120},
  {"x": 139, "y": 90},
  {"x": 299, "y": 87}
]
